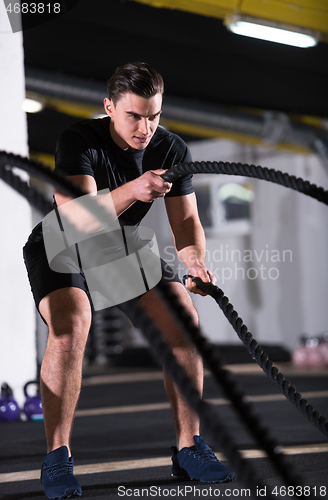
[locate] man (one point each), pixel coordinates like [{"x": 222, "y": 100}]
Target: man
[{"x": 126, "y": 152}]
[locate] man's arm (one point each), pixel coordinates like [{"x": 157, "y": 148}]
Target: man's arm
[
  {"x": 86, "y": 182},
  {"x": 189, "y": 237},
  {"x": 148, "y": 187}
]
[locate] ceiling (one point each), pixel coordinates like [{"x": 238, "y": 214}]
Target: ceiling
[
  {"x": 200, "y": 60},
  {"x": 311, "y": 14}
]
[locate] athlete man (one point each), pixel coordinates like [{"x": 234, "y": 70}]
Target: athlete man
[{"x": 126, "y": 152}]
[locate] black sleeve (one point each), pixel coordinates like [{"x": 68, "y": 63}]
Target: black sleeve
[
  {"x": 73, "y": 156},
  {"x": 183, "y": 185}
]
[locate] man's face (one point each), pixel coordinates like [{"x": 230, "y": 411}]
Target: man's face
[{"x": 134, "y": 120}]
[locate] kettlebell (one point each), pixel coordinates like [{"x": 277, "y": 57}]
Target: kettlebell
[
  {"x": 33, "y": 405},
  {"x": 9, "y": 409}
]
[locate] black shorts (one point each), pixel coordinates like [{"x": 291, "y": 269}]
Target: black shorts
[{"x": 43, "y": 280}]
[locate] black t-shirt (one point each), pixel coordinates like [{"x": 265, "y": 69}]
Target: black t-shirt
[{"x": 88, "y": 148}]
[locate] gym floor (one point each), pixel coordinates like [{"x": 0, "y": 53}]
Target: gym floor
[{"x": 123, "y": 432}]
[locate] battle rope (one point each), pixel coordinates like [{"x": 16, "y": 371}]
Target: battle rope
[
  {"x": 287, "y": 476},
  {"x": 245, "y": 170},
  {"x": 162, "y": 353},
  {"x": 34, "y": 197},
  {"x": 246, "y": 337},
  {"x": 261, "y": 357},
  {"x": 37, "y": 169}
]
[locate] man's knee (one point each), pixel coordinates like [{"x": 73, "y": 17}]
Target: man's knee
[
  {"x": 70, "y": 332},
  {"x": 184, "y": 299},
  {"x": 71, "y": 322},
  {"x": 164, "y": 317},
  {"x": 68, "y": 315}
]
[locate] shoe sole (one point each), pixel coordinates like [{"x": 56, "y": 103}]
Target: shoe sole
[
  {"x": 184, "y": 475},
  {"x": 67, "y": 494}
]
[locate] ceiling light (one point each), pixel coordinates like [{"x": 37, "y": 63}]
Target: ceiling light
[
  {"x": 271, "y": 31},
  {"x": 32, "y": 105}
]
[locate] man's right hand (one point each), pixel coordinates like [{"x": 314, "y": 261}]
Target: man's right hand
[{"x": 150, "y": 186}]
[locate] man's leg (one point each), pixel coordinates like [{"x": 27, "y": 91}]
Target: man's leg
[
  {"x": 192, "y": 458},
  {"x": 67, "y": 312},
  {"x": 185, "y": 420}
]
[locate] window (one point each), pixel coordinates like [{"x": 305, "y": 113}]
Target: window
[
  {"x": 224, "y": 206},
  {"x": 236, "y": 200}
]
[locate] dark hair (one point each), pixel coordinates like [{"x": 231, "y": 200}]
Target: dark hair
[{"x": 136, "y": 78}]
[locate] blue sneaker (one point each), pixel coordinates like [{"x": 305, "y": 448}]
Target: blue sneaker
[
  {"x": 199, "y": 462},
  {"x": 57, "y": 476}
]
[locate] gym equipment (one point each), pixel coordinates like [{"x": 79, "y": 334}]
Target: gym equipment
[
  {"x": 312, "y": 352},
  {"x": 33, "y": 405},
  {"x": 9, "y": 409}
]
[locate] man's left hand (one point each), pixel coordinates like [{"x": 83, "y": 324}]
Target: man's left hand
[{"x": 204, "y": 274}]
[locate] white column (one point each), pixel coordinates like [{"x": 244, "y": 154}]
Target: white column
[{"x": 17, "y": 311}]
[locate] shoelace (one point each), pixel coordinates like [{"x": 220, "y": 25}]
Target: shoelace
[
  {"x": 206, "y": 455},
  {"x": 57, "y": 470}
]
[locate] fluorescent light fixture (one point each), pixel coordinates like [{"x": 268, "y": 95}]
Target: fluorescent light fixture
[
  {"x": 32, "y": 105},
  {"x": 271, "y": 31}
]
